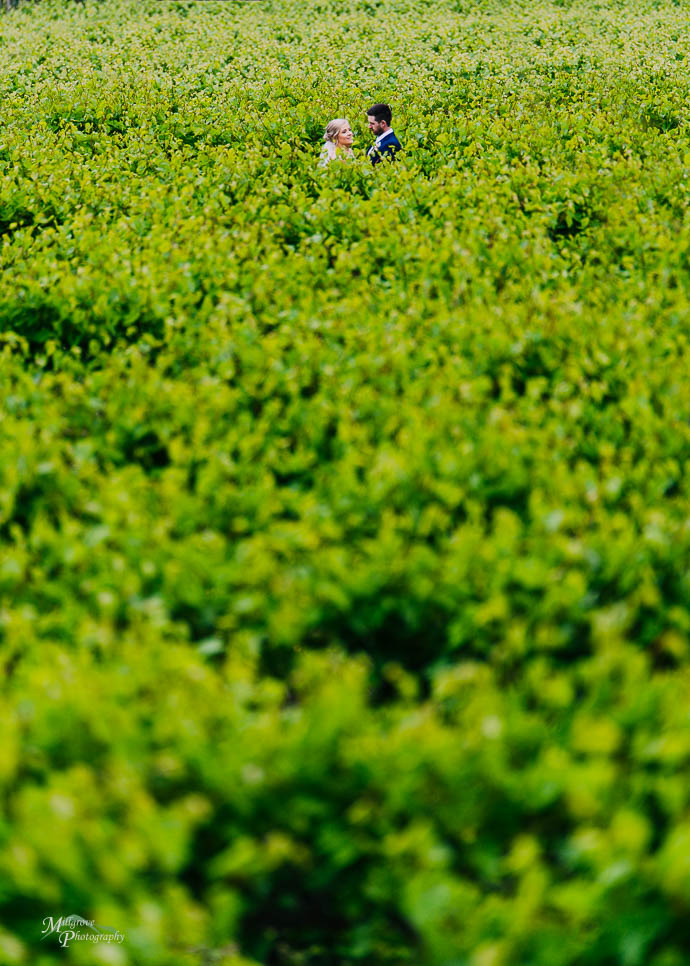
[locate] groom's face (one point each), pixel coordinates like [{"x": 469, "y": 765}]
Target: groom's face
[{"x": 376, "y": 127}]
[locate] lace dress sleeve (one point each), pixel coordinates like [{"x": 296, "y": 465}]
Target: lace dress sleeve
[{"x": 327, "y": 154}]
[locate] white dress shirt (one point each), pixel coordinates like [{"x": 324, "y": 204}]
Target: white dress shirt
[{"x": 378, "y": 140}]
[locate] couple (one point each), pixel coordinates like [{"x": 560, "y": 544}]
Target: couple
[{"x": 339, "y": 138}]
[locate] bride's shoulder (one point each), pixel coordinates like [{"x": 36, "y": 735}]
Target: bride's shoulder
[{"x": 327, "y": 154}]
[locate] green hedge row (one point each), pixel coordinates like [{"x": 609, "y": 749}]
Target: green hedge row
[
  {"x": 344, "y": 514},
  {"x": 539, "y": 817}
]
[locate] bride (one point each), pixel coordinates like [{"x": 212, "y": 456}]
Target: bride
[{"x": 338, "y": 139}]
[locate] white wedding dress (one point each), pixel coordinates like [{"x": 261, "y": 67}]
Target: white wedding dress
[{"x": 331, "y": 152}]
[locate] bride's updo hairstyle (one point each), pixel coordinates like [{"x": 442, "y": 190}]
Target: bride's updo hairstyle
[{"x": 333, "y": 129}]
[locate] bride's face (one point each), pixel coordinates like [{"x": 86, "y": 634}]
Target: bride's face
[{"x": 345, "y": 137}]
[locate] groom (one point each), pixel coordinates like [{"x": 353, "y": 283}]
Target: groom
[{"x": 386, "y": 144}]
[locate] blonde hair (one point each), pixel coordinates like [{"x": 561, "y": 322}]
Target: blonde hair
[{"x": 333, "y": 129}]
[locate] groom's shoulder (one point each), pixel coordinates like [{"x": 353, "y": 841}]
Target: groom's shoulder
[{"x": 391, "y": 139}]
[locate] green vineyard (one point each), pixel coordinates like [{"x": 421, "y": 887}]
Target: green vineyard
[{"x": 345, "y": 510}]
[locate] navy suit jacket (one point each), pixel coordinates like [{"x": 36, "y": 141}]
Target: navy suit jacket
[{"x": 388, "y": 148}]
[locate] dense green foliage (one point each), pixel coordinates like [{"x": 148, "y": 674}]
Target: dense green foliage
[{"x": 344, "y": 514}]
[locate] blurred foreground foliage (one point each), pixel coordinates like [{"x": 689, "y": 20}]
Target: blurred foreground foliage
[{"x": 344, "y": 515}]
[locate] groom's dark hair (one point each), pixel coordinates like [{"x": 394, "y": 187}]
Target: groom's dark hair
[{"x": 380, "y": 112}]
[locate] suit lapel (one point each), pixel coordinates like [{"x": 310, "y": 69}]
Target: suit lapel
[{"x": 376, "y": 148}]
